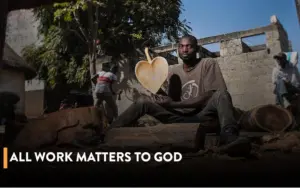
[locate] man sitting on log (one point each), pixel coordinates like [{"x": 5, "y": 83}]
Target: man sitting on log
[
  {"x": 286, "y": 79},
  {"x": 202, "y": 96}
]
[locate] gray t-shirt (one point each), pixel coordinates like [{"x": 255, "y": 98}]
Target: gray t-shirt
[{"x": 204, "y": 77}]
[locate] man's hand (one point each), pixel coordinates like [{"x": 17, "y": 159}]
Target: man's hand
[{"x": 161, "y": 100}]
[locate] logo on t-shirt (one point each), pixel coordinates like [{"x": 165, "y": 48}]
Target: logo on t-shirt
[{"x": 189, "y": 90}]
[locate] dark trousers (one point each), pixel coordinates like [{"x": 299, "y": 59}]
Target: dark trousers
[
  {"x": 218, "y": 107},
  {"x": 284, "y": 90},
  {"x": 108, "y": 98}
]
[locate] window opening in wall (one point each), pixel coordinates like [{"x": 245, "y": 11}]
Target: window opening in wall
[
  {"x": 213, "y": 49},
  {"x": 255, "y": 43},
  {"x": 173, "y": 53}
]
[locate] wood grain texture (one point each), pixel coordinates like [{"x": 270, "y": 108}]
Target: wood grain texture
[{"x": 152, "y": 75}]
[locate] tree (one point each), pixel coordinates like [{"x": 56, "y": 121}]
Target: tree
[{"x": 71, "y": 33}]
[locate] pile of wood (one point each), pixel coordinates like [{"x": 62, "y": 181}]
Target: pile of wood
[
  {"x": 61, "y": 127},
  {"x": 65, "y": 126},
  {"x": 267, "y": 118},
  {"x": 286, "y": 142}
]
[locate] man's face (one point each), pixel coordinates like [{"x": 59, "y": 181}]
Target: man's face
[{"x": 187, "y": 50}]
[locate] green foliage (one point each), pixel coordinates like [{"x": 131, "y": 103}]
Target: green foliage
[
  {"x": 54, "y": 61},
  {"x": 69, "y": 32}
]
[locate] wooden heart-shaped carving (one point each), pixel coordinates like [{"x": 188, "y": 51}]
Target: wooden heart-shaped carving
[{"x": 152, "y": 73}]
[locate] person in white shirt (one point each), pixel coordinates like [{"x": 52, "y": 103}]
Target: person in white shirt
[
  {"x": 104, "y": 91},
  {"x": 286, "y": 78}
]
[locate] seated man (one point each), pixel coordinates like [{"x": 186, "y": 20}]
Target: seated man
[
  {"x": 203, "y": 96},
  {"x": 286, "y": 79}
]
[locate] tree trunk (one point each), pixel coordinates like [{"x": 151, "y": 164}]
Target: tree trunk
[
  {"x": 92, "y": 73},
  {"x": 92, "y": 43}
]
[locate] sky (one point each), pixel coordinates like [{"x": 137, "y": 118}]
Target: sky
[{"x": 214, "y": 17}]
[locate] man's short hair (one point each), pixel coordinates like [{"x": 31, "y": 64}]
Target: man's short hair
[{"x": 191, "y": 38}]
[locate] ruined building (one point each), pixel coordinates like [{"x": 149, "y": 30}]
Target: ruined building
[{"x": 247, "y": 69}]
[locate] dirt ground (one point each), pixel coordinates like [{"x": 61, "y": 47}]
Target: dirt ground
[{"x": 269, "y": 169}]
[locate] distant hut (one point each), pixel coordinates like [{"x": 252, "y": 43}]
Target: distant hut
[{"x": 13, "y": 73}]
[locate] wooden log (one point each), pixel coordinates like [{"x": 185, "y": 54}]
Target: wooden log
[
  {"x": 60, "y": 127},
  {"x": 294, "y": 108},
  {"x": 286, "y": 142},
  {"x": 182, "y": 135},
  {"x": 162, "y": 133},
  {"x": 269, "y": 118}
]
